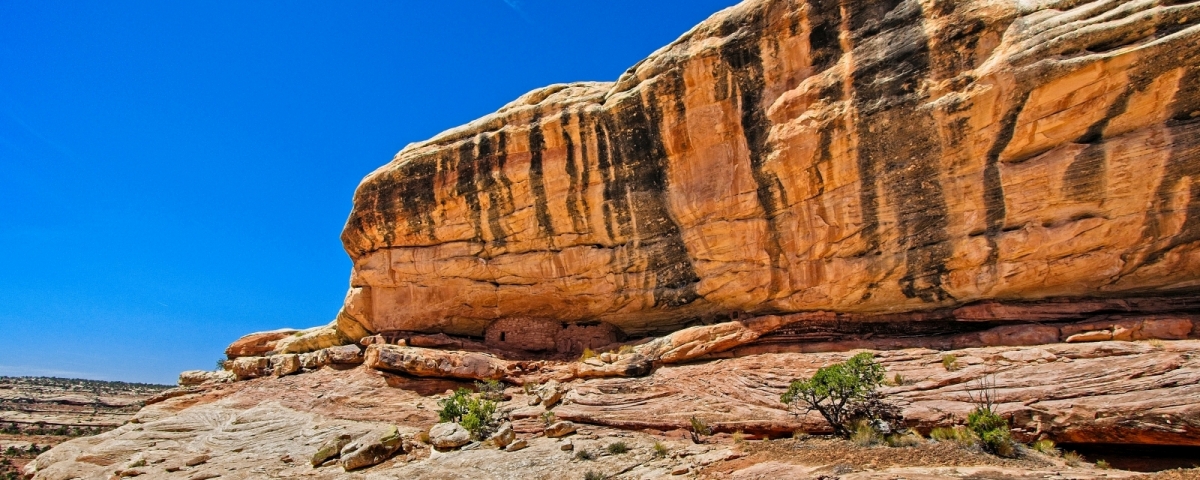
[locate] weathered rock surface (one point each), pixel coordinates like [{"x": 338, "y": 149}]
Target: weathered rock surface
[
  {"x": 449, "y": 435},
  {"x": 424, "y": 362},
  {"x": 1094, "y": 392},
  {"x": 801, "y": 155},
  {"x": 372, "y": 448},
  {"x": 200, "y": 377},
  {"x": 258, "y": 344}
]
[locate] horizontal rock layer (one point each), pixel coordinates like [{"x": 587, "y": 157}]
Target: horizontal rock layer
[{"x": 801, "y": 155}]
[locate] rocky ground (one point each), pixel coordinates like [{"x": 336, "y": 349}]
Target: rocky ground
[
  {"x": 37, "y": 413},
  {"x": 270, "y": 427}
]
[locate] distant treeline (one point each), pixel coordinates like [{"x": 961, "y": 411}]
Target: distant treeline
[{"x": 81, "y": 384}]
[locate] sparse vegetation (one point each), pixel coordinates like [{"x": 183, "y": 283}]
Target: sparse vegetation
[
  {"x": 587, "y": 353},
  {"x": 491, "y": 390},
  {"x": 584, "y": 454},
  {"x": 863, "y": 435},
  {"x": 1046, "y": 446},
  {"x": 844, "y": 394},
  {"x": 901, "y": 440},
  {"x": 700, "y": 429},
  {"x": 1073, "y": 459},
  {"x": 739, "y": 436},
  {"x": 991, "y": 428},
  {"x": 473, "y": 412},
  {"x": 958, "y": 434},
  {"x": 950, "y": 362},
  {"x": 548, "y": 418},
  {"x": 661, "y": 450},
  {"x": 625, "y": 349},
  {"x": 1156, "y": 343},
  {"x": 221, "y": 363},
  {"x": 1103, "y": 464},
  {"x": 617, "y": 448},
  {"x": 594, "y": 475}
]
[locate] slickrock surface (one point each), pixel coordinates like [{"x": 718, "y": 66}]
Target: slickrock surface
[
  {"x": 792, "y": 155},
  {"x": 270, "y": 427}
]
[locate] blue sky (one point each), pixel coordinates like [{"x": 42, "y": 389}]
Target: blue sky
[{"x": 176, "y": 174}]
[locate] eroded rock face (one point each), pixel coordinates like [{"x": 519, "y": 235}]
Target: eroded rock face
[{"x": 794, "y": 155}]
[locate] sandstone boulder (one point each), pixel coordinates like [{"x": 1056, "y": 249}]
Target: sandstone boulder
[
  {"x": 449, "y": 435},
  {"x": 285, "y": 364},
  {"x": 425, "y": 362},
  {"x": 503, "y": 436},
  {"x": 371, "y": 449},
  {"x": 200, "y": 377},
  {"x": 311, "y": 340},
  {"x": 330, "y": 449},
  {"x": 257, "y": 344},
  {"x": 345, "y": 355},
  {"x": 559, "y": 429},
  {"x": 249, "y": 367}
]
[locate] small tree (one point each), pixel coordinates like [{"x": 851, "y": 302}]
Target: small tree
[
  {"x": 835, "y": 389},
  {"x": 477, "y": 415},
  {"x": 992, "y": 429}
]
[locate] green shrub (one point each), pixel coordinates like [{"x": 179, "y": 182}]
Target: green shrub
[
  {"x": 1103, "y": 464},
  {"x": 700, "y": 429},
  {"x": 992, "y": 430},
  {"x": 1046, "y": 446},
  {"x": 548, "y": 418},
  {"x": 474, "y": 413},
  {"x": 617, "y": 448},
  {"x": 950, "y": 362},
  {"x": 1072, "y": 458},
  {"x": 836, "y": 389},
  {"x": 959, "y": 434},
  {"x": 660, "y": 450},
  {"x": 594, "y": 475},
  {"x": 583, "y": 454}
]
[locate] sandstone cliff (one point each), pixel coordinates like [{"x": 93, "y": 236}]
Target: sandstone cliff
[{"x": 798, "y": 156}]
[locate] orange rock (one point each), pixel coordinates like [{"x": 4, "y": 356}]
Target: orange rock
[
  {"x": 257, "y": 344},
  {"x": 787, "y": 157}
]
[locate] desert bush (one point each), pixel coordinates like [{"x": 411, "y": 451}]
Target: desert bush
[
  {"x": 864, "y": 435},
  {"x": 1046, "y": 446},
  {"x": 739, "y": 436},
  {"x": 617, "y": 448},
  {"x": 660, "y": 450},
  {"x": 950, "y": 362},
  {"x": 548, "y": 418},
  {"x": 1103, "y": 464},
  {"x": 584, "y": 454},
  {"x": 958, "y": 434},
  {"x": 625, "y": 349},
  {"x": 594, "y": 475},
  {"x": 1072, "y": 458},
  {"x": 587, "y": 353},
  {"x": 992, "y": 429},
  {"x": 842, "y": 393},
  {"x": 490, "y": 390},
  {"x": 221, "y": 364},
  {"x": 474, "y": 413},
  {"x": 900, "y": 440},
  {"x": 700, "y": 429}
]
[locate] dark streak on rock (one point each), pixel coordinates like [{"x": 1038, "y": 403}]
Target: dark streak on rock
[
  {"x": 574, "y": 194},
  {"x": 1181, "y": 172},
  {"x": 465, "y": 186},
  {"x": 742, "y": 65},
  {"x": 824, "y": 20},
  {"x": 993, "y": 186},
  {"x": 537, "y": 144},
  {"x": 897, "y": 148}
]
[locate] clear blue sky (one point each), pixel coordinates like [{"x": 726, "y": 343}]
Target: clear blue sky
[{"x": 176, "y": 174}]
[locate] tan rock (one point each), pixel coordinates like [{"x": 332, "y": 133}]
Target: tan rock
[
  {"x": 200, "y": 377},
  {"x": 257, "y": 344},
  {"x": 517, "y": 445},
  {"x": 371, "y": 449},
  {"x": 449, "y": 435},
  {"x": 330, "y": 449},
  {"x": 1092, "y": 336},
  {"x": 425, "y": 362},
  {"x": 285, "y": 364},
  {"x": 559, "y": 429},
  {"x": 312, "y": 340},
  {"x": 249, "y": 367},
  {"x": 503, "y": 436},
  {"x": 345, "y": 355}
]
